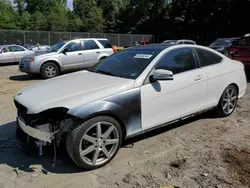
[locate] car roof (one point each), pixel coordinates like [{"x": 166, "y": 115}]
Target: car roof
[
  {"x": 227, "y": 38},
  {"x": 88, "y": 39},
  {"x": 159, "y": 47},
  {"x": 10, "y": 45}
]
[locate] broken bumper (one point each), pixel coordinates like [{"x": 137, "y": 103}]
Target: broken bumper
[{"x": 37, "y": 133}]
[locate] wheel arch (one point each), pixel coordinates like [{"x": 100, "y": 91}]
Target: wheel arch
[
  {"x": 229, "y": 84},
  {"x": 109, "y": 114},
  {"x": 102, "y": 56},
  {"x": 50, "y": 61},
  {"x": 235, "y": 85}
]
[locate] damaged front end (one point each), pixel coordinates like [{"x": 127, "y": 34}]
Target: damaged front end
[{"x": 45, "y": 128}]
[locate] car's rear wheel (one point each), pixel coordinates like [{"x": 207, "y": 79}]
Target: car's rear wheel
[
  {"x": 228, "y": 101},
  {"x": 50, "y": 70},
  {"x": 95, "y": 142}
]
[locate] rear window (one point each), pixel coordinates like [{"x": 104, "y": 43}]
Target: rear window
[
  {"x": 207, "y": 58},
  {"x": 105, "y": 43}
]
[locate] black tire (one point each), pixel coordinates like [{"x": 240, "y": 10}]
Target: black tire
[
  {"x": 74, "y": 139},
  {"x": 219, "y": 109},
  {"x": 50, "y": 66}
]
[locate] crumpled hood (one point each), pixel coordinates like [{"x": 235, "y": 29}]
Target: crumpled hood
[
  {"x": 71, "y": 90},
  {"x": 40, "y": 54}
]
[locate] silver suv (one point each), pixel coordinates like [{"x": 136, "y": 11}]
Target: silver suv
[
  {"x": 67, "y": 55},
  {"x": 182, "y": 41}
]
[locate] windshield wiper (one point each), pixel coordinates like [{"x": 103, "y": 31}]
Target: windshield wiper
[{"x": 105, "y": 72}]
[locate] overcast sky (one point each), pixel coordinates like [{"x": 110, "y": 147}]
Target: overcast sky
[{"x": 70, "y": 3}]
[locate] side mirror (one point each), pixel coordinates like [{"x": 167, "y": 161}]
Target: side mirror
[
  {"x": 65, "y": 50},
  {"x": 161, "y": 74}
]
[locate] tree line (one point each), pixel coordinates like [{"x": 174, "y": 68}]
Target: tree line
[{"x": 159, "y": 17}]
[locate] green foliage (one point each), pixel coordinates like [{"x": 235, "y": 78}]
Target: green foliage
[
  {"x": 8, "y": 17},
  {"x": 58, "y": 17},
  {"x": 75, "y": 22},
  {"x": 159, "y": 17},
  {"x": 38, "y": 22},
  {"x": 94, "y": 22}
]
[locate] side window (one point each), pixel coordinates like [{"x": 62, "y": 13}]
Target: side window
[
  {"x": 4, "y": 50},
  {"x": 17, "y": 49},
  {"x": 90, "y": 45},
  {"x": 178, "y": 61},
  {"x": 73, "y": 46},
  {"x": 188, "y": 42},
  {"x": 207, "y": 58},
  {"x": 105, "y": 43}
]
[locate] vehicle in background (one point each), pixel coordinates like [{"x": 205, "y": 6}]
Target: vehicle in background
[
  {"x": 13, "y": 53},
  {"x": 40, "y": 48},
  {"x": 66, "y": 56},
  {"x": 131, "y": 92},
  {"x": 138, "y": 43},
  {"x": 222, "y": 45},
  {"x": 28, "y": 46},
  {"x": 181, "y": 41},
  {"x": 240, "y": 51}
]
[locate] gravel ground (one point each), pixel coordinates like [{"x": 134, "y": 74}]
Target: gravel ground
[{"x": 200, "y": 152}]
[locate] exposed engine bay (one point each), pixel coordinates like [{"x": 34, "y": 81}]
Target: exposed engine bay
[{"x": 47, "y": 128}]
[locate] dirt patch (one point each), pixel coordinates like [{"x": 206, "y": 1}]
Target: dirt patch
[{"x": 238, "y": 164}]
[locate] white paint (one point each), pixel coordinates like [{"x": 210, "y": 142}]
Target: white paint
[{"x": 143, "y": 56}]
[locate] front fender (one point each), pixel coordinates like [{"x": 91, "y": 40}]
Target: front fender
[
  {"x": 95, "y": 108},
  {"x": 126, "y": 106},
  {"x": 50, "y": 60}
]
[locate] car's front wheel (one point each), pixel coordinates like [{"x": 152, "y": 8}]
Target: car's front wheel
[
  {"x": 50, "y": 70},
  {"x": 95, "y": 142},
  {"x": 228, "y": 101}
]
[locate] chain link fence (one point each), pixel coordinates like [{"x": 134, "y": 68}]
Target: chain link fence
[{"x": 50, "y": 38}]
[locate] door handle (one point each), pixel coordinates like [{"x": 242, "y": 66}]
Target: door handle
[
  {"x": 97, "y": 52},
  {"x": 79, "y": 53},
  {"x": 199, "y": 77}
]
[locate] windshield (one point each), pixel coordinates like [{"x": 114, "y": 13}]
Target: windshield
[
  {"x": 128, "y": 63},
  {"x": 222, "y": 42},
  {"x": 56, "y": 47}
]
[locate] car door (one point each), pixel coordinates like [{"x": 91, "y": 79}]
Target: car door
[
  {"x": 91, "y": 52},
  {"x": 72, "y": 55},
  {"x": 165, "y": 101},
  {"x": 213, "y": 65},
  {"x": 18, "y": 52},
  {"x": 6, "y": 56}
]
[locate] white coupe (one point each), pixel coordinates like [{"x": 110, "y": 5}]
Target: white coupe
[{"x": 132, "y": 91}]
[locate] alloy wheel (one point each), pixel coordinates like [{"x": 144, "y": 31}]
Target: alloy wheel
[
  {"x": 50, "y": 71},
  {"x": 229, "y": 100},
  {"x": 99, "y": 143}
]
